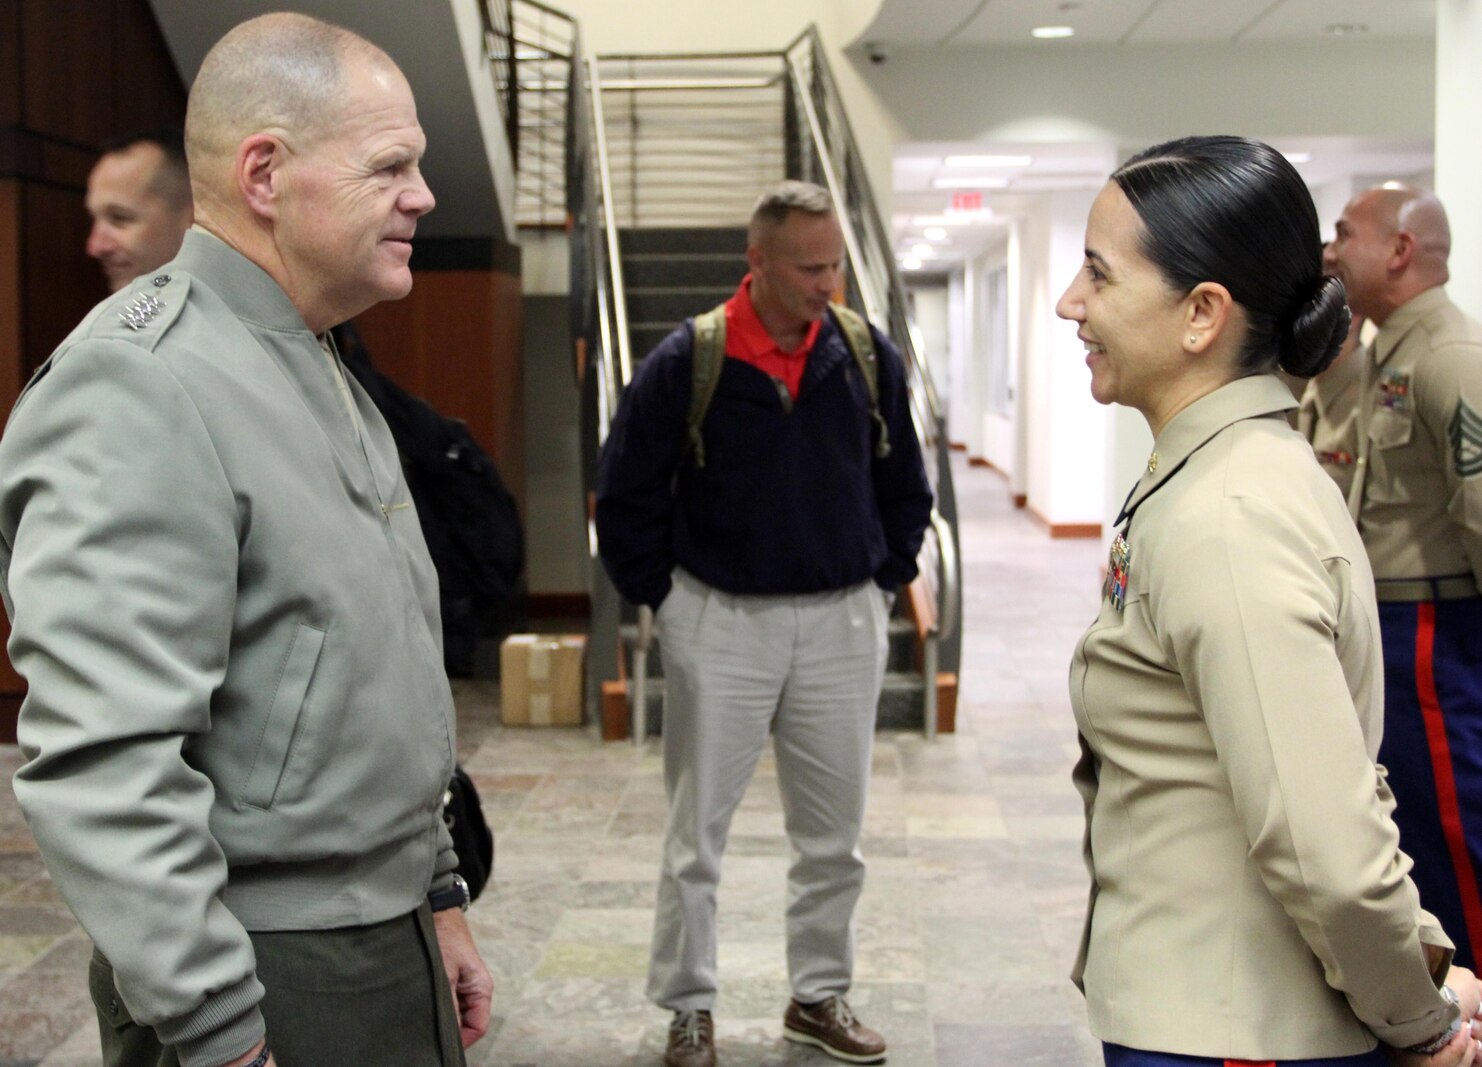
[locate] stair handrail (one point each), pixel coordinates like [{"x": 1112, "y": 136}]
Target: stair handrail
[
  {"x": 809, "y": 70},
  {"x": 609, "y": 224},
  {"x": 891, "y": 313}
]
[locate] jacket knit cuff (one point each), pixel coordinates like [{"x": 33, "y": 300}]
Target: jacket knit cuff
[{"x": 226, "y": 1026}]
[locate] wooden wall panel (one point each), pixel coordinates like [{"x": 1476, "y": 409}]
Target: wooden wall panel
[
  {"x": 12, "y": 365},
  {"x": 60, "y": 284},
  {"x": 11, "y": 686},
  {"x": 72, "y": 73},
  {"x": 66, "y": 61},
  {"x": 457, "y": 342},
  {"x": 147, "y": 90},
  {"x": 10, "y": 62}
]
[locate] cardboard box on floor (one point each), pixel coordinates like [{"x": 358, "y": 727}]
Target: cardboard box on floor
[{"x": 540, "y": 679}]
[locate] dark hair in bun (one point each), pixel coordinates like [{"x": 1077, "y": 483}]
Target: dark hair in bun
[{"x": 1234, "y": 211}]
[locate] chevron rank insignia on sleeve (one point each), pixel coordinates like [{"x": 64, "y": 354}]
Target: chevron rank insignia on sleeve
[{"x": 1465, "y": 432}]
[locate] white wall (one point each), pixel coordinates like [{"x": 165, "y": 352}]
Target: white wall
[
  {"x": 1074, "y": 434},
  {"x": 1330, "y": 198},
  {"x": 1458, "y": 149},
  {"x": 959, "y": 354},
  {"x": 933, "y": 320}
]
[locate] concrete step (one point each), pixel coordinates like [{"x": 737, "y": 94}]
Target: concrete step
[
  {"x": 648, "y": 270},
  {"x": 673, "y": 304},
  {"x": 643, "y": 337},
  {"x": 689, "y": 239}
]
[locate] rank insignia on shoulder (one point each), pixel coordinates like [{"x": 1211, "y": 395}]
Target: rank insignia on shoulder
[
  {"x": 137, "y": 312},
  {"x": 1118, "y": 567},
  {"x": 1394, "y": 390},
  {"x": 1465, "y": 432}
]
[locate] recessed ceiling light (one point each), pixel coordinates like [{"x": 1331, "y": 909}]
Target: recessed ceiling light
[
  {"x": 910, "y": 263},
  {"x": 969, "y": 182},
  {"x": 988, "y": 161},
  {"x": 1049, "y": 33},
  {"x": 1298, "y": 157},
  {"x": 936, "y": 233},
  {"x": 1345, "y": 29},
  {"x": 923, "y": 251}
]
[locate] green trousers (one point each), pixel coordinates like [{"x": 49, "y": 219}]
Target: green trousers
[{"x": 368, "y": 994}]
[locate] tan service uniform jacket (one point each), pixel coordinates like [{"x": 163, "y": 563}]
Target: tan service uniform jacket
[
  {"x": 1249, "y": 896},
  {"x": 1417, "y": 494},
  {"x": 1328, "y": 418}
]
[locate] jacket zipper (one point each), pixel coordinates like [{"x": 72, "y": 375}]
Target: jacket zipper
[{"x": 782, "y": 393}]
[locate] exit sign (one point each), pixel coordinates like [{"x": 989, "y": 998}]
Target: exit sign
[{"x": 967, "y": 201}]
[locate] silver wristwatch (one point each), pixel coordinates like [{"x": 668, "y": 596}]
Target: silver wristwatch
[
  {"x": 453, "y": 895},
  {"x": 1441, "y": 1040}
]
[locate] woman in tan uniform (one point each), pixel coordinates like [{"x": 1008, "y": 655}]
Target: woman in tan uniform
[{"x": 1249, "y": 900}]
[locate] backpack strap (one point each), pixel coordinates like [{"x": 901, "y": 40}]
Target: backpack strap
[
  {"x": 856, "y": 331},
  {"x": 709, "y": 353}
]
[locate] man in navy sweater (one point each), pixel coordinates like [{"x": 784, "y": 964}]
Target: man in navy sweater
[{"x": 771, "y": 554}]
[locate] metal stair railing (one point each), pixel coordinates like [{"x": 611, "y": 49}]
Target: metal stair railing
[{"x": 828, "y": 154}]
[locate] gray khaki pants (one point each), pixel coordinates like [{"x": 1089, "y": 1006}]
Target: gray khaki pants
[
  {"x": 809, "y": 669},
  {"x": 364, "y": 995}
]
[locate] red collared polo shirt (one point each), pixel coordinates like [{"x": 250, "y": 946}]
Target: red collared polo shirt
[{"x": 748, "y": 340}]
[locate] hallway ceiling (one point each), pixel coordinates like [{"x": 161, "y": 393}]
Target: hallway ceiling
[
  {"x": 1001, "y": 22},
  {"x": 921, "y": 203}
]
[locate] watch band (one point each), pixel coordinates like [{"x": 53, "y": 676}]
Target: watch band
[{"x": 453, "y": 895}]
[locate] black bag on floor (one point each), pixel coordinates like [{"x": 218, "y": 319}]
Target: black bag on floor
[{"x": 472, "y": 838}]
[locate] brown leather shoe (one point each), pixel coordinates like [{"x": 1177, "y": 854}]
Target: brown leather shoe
[
  {"x": 691, "y": 1040},
  {"x": 831, "y": 1026}
]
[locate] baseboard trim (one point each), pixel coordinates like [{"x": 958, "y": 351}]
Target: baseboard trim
[
  {"x": 615, "y": 725},
  {"x": 1066, "y": 531},
  {"x": 1071, "y": 531},
  {"x": 946, "y": 703}
]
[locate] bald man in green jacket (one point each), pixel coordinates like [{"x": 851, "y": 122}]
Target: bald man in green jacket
[{"x": 238, "y": 730}]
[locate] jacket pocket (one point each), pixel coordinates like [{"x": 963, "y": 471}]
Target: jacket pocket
[
  {"x": 1390, "y": 429},
  {"x": 282, "y": 720}
]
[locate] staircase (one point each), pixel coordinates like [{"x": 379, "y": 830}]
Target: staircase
[
  {"x": 674, "y": 273},
  {"x": 665, "y": 155}
]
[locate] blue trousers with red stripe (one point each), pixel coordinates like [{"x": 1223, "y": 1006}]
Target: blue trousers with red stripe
[
  {"x": 1118, "y": 1056},
  {"x": 1433, "y": 750}
]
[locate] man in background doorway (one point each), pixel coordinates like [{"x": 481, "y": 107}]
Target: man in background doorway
[
  {"x": 768, "y": 536},
  {"x": 138, "y": 195}
]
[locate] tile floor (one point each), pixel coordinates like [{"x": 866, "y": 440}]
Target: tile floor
[{"x": 968, "y": 921}]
